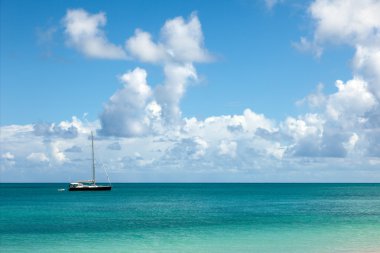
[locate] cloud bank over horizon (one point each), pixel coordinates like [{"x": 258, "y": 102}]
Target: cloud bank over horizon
[{"x": 142, "y": 135}]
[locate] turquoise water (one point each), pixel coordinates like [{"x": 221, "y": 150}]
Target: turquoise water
[{"x": 191, "y": 218}]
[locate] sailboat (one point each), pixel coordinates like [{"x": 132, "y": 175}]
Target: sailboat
[{"x": 89, "y": 185}]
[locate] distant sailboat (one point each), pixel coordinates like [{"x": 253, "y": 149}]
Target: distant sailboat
[{"x": 89, "y": 185}]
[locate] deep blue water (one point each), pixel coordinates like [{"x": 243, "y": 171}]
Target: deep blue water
[{"x": 191, "y": 218}]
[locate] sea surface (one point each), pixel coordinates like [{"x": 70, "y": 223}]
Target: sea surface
[{"x": 191, "y": 218}]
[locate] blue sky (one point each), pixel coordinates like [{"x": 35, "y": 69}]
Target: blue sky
[
  {"x": 252, "y": 46},
  {"x": 252, "y": 66}
]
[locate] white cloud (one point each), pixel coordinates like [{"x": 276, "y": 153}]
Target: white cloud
[
  {"x": 228, "y": 148},
  {"x": 314, "y": 100},
  {"x": 350, "y": 115},
  {"x": 341, "y": 127},
  {"x": 135, "y": 82},
  {"x": 354, "y": 23},
  {"x": 38, "y": 157},
  {"x": 367, "y": 63},
  {"x": 124, "y": 113},
  {"x": 308, "y": 125},
  {"x": 8, "y": 156},
  {"x": 180, "y": 45},
  {"x": 200, "y": 147},
  {"x": 65, "y": 129},
  {"x": 184, "y": 40},
  {"x": 181, "y": 41},
  {"x": 244, "y": 144},
  {"x": 275, "y": 149},
  {"x": 84, "y": 33},
  {"x": 229, "y": 127},
  {"x": 351, "y": 143},
  {"x": 7, "y": 160},
  {"x": 56, "y": 153},
  {"x": 253, "y": 121},
  {"x": 133, "y": 112},
  {"x": 346, "y": 21},
  {"x": 352, "y": 99},
  {"x": 143, "y": 48},
  {"x": 170, "y": 94}
]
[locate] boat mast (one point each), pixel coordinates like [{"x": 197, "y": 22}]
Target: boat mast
[{"x": 93, "y": 158}]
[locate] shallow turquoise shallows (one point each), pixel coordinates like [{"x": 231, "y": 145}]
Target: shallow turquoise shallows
[{"x": 191, "y": 218}]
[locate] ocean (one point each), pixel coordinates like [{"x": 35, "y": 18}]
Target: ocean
[{"x": 191, "y": 217}]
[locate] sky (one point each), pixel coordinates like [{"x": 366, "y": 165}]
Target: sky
[{"x": 241, "y": 91}]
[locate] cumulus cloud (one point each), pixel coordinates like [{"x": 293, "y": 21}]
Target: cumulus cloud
[
  {"x": 38, "y": 157},
  {"x": 43, "y": 157},
  {"x": 180, "y": 45},
  {"x": 56, "y": 152},
  {"x": 349, "y": 117},
  {"x": 7, "y": 160},
  {"x": 137, "y": 109},
  {"x": 351, "y": 143},
  {"x": 228, "y": 148},
  {"x": 372, "y": 141},
  {"x": 143, "y": 48},
  {"x": 345, "y": 125},
  {"x": 170, "y": 94},
  {"x": 189, "y": 148},
  {"x": 180, "y": 41},
  {"x": 64, "y": 129},
  {"x": 303, "y": 126},
  {"x": 343, "y": 122},
  {"x": 8, "y": 156},
  {"x": 314, "y": 100},
  {"x": 184, "y": 40},
  {"x": 229, "y": 127},
  {"x": 84, "y": 33},
  {"x": 353, "y": 99},
  {"x": 367, "y": 63},
  {"x": 45, "y": 129},
  {"x": 346, "y": 21},
  {"x": 242, "y": 145},
  {"x": 353, "y": 23},
  {"x": 124, "y": 114}
]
